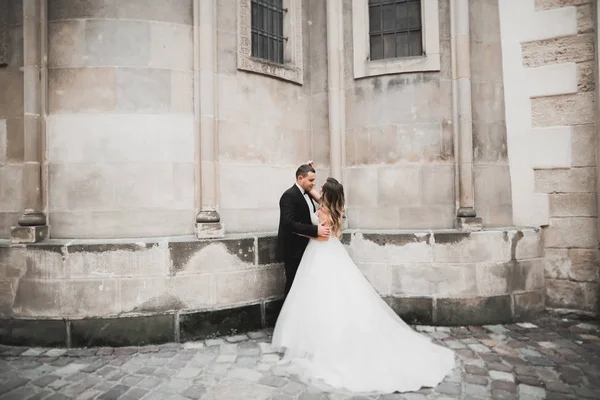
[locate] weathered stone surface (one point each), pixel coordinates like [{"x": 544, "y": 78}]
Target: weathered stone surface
[
  {"x": 585, "y": 77},
  {"x": 412, "y": 310},
  {"x": 573, "y": 180},
  {"x": 557, "y": 263},
  {"x": 571, "y": 48},
  {"x": 528, "y": 305},
  {"x": 583, "y": 145},
  {"x": 573, "y": 205},
  {"x": 475, "y": 311},
  {"x": 571, "y": 232},
  {"x": 48, "y": 333},
  {"x": 82, "y": 90},
  {"x": 565, "y": 294},
  {"x": 568, "y": 109},
  {"x": 585, "y": 18},
  {"x": 550, "y": 4},
  {"x": 584, "y": 265},
  {"x": 203, "y": 325}
]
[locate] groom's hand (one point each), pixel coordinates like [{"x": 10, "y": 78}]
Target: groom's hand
[
  {"x": 323, "y": 231},
  {"x": 311, "y": 162}
]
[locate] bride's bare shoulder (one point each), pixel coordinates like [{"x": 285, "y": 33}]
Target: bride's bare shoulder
[{"x": 323, "y": 217}]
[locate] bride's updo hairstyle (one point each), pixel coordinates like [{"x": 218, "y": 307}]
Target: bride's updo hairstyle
[{"x": 332, "y": 201}]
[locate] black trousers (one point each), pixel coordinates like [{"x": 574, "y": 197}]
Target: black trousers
[{"x": 290, "y": 266}]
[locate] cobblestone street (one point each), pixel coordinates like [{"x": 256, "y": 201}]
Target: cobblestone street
[{"x": 550, "y": 358}]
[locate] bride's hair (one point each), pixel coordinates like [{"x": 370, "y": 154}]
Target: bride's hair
[{"x": 332, "y": 201}]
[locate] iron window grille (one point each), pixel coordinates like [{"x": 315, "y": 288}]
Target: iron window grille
[
  {"x": 395, "y": 29},
  {"x": 267, "y": 30}
]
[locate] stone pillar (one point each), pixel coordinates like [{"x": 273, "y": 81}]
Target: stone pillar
[
  {"x": 466, "y": 216},
  {"x": 208, "y": 221},
  {"x": 32, "y": 224},
  {"x": 335, "y": 79}
]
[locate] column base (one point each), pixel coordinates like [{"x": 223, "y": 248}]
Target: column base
[
  {"x": 469, "y": 224},
  {"x": 28, "y": 234},
  {"x": 210, "y": 230}
]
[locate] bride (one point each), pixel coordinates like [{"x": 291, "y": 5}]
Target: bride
[{"x": 337, "y": 332}]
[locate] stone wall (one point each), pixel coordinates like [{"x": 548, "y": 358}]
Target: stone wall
[
  {"x": 549, "y": 67},
  {"x": 11, "y": 120},
  {"x": 267, "y": 127},
  {"x": 120, "y": 131}
]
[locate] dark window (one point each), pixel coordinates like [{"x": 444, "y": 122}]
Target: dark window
[
  {"x": 395, "y": 28},
  {"x": 267, "y": 30}
]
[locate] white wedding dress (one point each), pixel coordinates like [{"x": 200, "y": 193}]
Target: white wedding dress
[{"x": 339, "y": 335}]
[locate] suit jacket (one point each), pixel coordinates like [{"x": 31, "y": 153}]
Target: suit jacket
[{"x": 294, "y": 217}]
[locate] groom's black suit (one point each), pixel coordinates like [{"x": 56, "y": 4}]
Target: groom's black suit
[{"x": 294, "y": 218}]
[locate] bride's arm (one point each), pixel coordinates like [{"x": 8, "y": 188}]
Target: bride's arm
[{"x": 315, "y": 195}]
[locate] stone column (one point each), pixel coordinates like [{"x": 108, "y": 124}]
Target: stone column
[
  {"x": 466, "y": 216},
  {"x": 208, "y": 221},
  {"x": 335, "y": 79},
  {"x": 32, "y": 224}
]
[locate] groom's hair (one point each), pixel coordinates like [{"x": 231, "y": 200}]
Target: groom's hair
[{"x": 303, "y": 170}]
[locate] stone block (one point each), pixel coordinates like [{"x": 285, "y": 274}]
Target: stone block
[
  {"x": 29, "y": 234},
  {"x": 488, "y": 102},
  {"x": 11, "y": 96},
  {"x": 45, "y": 262},
  {"x": 66, "y": 44},
  {"x": 171, "y": 46},
  {"x": 526, "y": 275},
  {"x": 210, "y": 230},
  {"x": 469, "y": 224},
  {"x": 568, "y": 109},
  {"x": 267, "y": 250},
  {"x": 492, "y": 278},
  {"x": 412, "y": 310},
  {"x": 577, "y": 48},
  {"x": 122, "y": 224},
  {"x": 197, "y": 257},
  {"x": 193, "y": 292},
  {"x": 572, "y": 232},
  {"x": 583, "y": 145},
  {"x": 473, "y": 311},
  {"x": 486, "y": 61},
  {"x": 585, "y": 19},
  {"x": 271, "y": 312},
  {"x": 206, "y": 324},
  {"x": 492, "y": 184},
  {"x": 66, "y": 9},
  {"x": 82, "y": 90},
  {"x": 585, "y": 77},
  {"x": 173, "y": 11},
  {"x": 123, "y": 43},
  {"x": 227, "y": 45},
  {"x": 528, "y": 305},
  {"x": 378, "y": 275},
  {"x": 584, "y": 265},
  {"x": 398, "y": 186},
  {"x": 15, "y": 146},
  {"x": 565, "y": 294},
  {"x": 246, "y": 220},
  {"x": 437, "y": 184},
  {"x": 528, "y": 244},
  {"x": 182, "y": 92},
  {"x": 592, "y": 296},
  {"x": 42, "y": 333},
  {"x": 471, "y": 247},
  {"x": 397, "y": 248},
  {"x": 574, "y": 180},
  {"x": 126, "y": 331},
  {"x": 143, "y": 90},
  {"x": 414, "y": 142},
  {"x": 167, "y": 138},
  {"x": 573, "y": 204},
  {"x": 83, "y": 298},
  {"x": 226, "y": 20},
  {"x": 153, "y": 294},
  {"x": 94, "y": 260},
  {"x": 437, "y": 217},
  {"x": 557, "y": 264},
  {"x": 444, "y": 280},
  {"x": 550, "y": 4},
  {"x": 489, "y": 142},
  {"x": 374, "y": 218},
  {"x": 11, "y": 187},
  {"x": 39, "y": 298},
  {"x": 7, "y": 221},
  {"x": 485, "y": 21},
  {"x": 247, "y": 286},
  {"x": 360, "y": 191}
]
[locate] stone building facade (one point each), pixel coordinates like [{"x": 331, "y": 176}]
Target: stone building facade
[{"x": 144, "y": 146}]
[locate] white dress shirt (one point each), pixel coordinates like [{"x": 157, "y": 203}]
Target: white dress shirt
[{"x": 307, "y": 198}]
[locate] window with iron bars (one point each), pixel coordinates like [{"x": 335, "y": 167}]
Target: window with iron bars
[
  {"x": 395, "y": 29},
  {"x": 267, "y": 30}
]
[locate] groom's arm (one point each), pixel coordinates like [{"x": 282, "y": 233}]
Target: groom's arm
[{"x": 286, "y": 204}]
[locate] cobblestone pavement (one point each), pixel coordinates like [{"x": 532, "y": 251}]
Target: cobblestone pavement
[{"x": 551, "y": 358}]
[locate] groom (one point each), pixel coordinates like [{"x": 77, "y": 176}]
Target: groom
[{"x": 295, "y": 207}]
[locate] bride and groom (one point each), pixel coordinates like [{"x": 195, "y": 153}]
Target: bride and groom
[{"x": 334, "y": 328}]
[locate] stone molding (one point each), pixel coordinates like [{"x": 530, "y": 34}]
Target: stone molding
[
  {"x": 292, "y": 70},
  {"x": 430, "y": 61}
]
